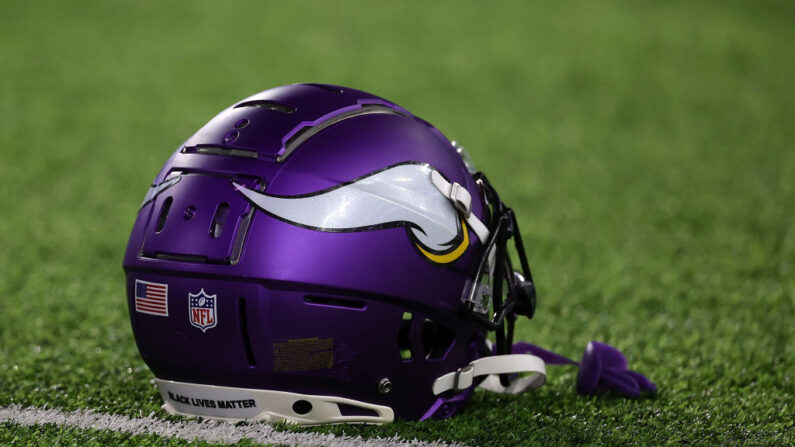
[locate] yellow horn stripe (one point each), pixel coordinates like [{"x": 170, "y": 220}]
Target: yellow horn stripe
[{"x": 453, "y": 255}]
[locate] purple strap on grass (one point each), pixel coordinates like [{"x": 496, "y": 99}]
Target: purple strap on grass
[
  {"x": 603, "y": 368},
  {"x": 549, "y": 357},
  {"x": 445, "y": 407}
]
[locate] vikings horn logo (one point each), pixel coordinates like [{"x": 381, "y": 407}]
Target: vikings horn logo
[{"x": 405, "y": 195}]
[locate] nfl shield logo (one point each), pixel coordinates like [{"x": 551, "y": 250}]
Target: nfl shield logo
[{"x": 202, "y": 310}]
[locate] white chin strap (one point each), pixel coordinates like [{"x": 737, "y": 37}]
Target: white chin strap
[
  {"x": 493, "y": 366},
  {"x": 462, "y": 201}
]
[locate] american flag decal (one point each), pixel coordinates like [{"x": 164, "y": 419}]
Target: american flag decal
[{"x": 151, "y": 298}]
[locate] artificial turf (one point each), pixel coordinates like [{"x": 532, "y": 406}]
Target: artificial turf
[
  {"x": 647, "y": 148},
  {"x": 54, "y": 436}
]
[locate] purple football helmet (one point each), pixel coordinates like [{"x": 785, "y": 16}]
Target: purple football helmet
[{"x": 317, "y": 254}]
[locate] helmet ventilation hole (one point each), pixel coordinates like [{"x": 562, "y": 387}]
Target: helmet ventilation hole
[
  {"x": 302, "y": 407},
  {"x": 161, "y": 221},
  {"x": 215, "y": 150},
  {"x": 404, "y": 340},
  {"x": 270, "y": 105},
  {"x": 436, "y": 339},
  {"x": 219, "y": 219},
  {"x": 326, "y": 87},
  {"x": 241, "y": 309},
  {"x": 230, "y": 137}
]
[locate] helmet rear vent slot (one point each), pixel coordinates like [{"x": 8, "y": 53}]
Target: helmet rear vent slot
[
  {"x": 241, "y": 311},
  {"x": 182, "y": 258},
  {"x": 334, "y": 302},
  {"x": 219, "y": 219},
  {"x": 436, "y": 340},
  {"x": 353, "y": 410},
  {"x": 404, "y": 338},
  {"x": 161, "y": 221},
  {"x": 326, "y": 87},
  {"x": 220, "y": 150},
  {"x": 242, "y": 231},
  {"x": 270, "y": 105}
]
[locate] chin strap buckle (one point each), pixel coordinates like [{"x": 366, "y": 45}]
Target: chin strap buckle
[
  {"x": 461, "y": 200},
  {"x": 464, "y": 378}
]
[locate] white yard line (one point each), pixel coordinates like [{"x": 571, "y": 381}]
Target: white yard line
[{"x": 209, "y": 431}]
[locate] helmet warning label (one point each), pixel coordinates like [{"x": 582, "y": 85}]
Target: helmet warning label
[{"x": 303, "y": 354}]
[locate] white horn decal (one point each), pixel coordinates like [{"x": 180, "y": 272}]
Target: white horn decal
[{"x": 398, "y": 196}]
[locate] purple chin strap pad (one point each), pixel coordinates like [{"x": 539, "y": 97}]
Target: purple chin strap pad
[{"x": 603, "y": 368}]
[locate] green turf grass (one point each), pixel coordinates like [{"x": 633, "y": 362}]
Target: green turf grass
[{"x": 647, "y": 148}]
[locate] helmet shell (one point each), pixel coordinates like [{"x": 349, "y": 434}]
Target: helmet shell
[{"x": 300, "y": 310}]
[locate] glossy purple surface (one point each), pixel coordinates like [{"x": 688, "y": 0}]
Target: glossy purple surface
[{"x": 263, "y": 270}]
